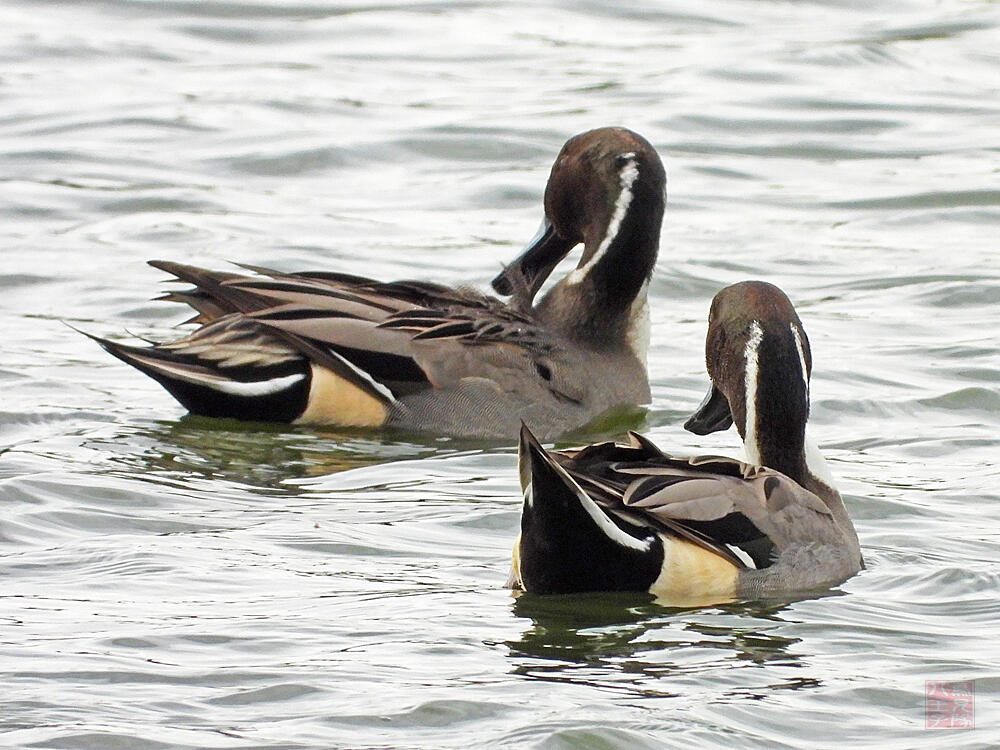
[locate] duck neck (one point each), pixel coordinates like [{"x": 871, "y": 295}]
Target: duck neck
[
  {"x": 777, "y": 403},
  {"x": 819, "y": 481},
  {"x": 603, "y": 301}
]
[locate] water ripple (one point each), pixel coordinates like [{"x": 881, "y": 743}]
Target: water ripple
[{"x": 178, "y": 582}]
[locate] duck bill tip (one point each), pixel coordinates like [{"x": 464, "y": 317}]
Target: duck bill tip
[
  {"x": 712, "y": 415},
  {"x": 528, "y": 272}
]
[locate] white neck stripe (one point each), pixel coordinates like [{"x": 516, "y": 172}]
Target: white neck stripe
[
  {"x": 815, "y": 463},
  {"x": 751, "y": 353},
  {"x": 802, "y": 356},
  {"x": 627, "y": 178}
]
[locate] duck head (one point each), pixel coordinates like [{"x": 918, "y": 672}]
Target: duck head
[
  {"x": 759, "y": 361},
  {"x": 606, "y": 190}
]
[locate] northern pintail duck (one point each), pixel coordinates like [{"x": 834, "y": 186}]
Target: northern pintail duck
[
  {"x": 331, "y": 348},
  {"x": 705, "y": 529}
]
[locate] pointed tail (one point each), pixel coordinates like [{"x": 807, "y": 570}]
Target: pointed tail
[{"x": 568, "y": 542}]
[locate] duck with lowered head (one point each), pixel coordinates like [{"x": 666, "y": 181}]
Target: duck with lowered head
[
  {"x": 706, "y": 529},
  {"x": 331, "y": 348}
]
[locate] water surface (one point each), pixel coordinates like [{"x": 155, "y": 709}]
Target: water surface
[{"x": 171, "y": 582}]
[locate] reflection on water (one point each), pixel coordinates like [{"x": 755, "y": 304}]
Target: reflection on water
[
  {"x": 630, "y": 635},
  {"x": 263, "y": 455},
  {"x": 272, "y": 455}
]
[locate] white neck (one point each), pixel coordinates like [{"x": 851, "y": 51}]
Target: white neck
[
  {"x": 817, "y": 465},
  {"x": 637, "y": 334}
]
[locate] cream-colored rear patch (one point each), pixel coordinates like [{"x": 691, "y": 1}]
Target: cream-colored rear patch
[
  {"x": 692, "y": 576},
  {"x": 333, "y": 400}
]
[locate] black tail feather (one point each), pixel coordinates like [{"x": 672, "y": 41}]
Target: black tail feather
[{"x": 564, "y": 547}]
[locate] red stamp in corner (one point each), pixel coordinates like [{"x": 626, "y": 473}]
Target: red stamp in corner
[{"x": 950, "y": 705}]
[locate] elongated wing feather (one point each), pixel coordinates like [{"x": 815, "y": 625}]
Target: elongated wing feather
[
  {"x": 402, "y": 336},
  {"x": 727, "y": 499},
  {"x": 687, "y": 498},
  {"x": 710, "y": 500}
]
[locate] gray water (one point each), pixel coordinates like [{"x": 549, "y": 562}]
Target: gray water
[{"x": 171, "y": 582}]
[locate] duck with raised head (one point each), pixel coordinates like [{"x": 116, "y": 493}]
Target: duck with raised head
[
  {"x": 611, "y": 517},
  {"x": 330, "y": 348}
]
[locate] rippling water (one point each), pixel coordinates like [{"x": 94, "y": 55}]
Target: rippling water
[{"x": 171, "y": 582}]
